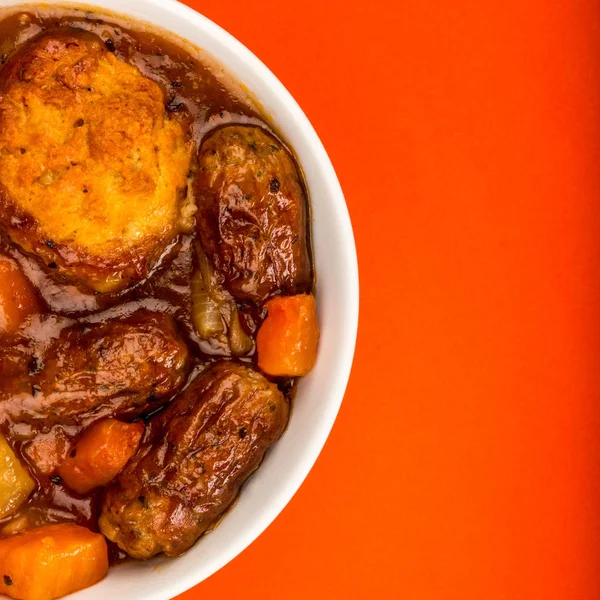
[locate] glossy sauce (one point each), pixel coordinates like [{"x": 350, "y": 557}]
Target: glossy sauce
[{"x": 211, "y": 99}]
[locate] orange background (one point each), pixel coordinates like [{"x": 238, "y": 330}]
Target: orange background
[{"x": 465, "y": 460}]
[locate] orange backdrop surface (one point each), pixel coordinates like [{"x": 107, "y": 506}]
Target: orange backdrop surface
[{"x": 465, "y": 463}]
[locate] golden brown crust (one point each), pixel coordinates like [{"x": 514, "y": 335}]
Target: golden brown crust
[
  {"x": 201, "y": 450},
  {"x": 92, "y": 169},
  {"x": 252, "y": 214}
]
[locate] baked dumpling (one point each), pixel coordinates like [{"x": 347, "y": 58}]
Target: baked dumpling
[{"x": 93, "y": 169}]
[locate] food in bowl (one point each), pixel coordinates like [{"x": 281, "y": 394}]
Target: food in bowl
[{"x": 156, "y": 296}]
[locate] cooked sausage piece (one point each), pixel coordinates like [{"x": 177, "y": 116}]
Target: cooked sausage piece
[
  {"x": 201, "y": 450},
  {"x": 121, "y": 368},
  {"x": 252, "y": 214},
  {"x": 93, "y": 171}
]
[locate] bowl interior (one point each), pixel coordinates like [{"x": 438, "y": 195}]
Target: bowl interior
[{"x": 320, "y": 394}]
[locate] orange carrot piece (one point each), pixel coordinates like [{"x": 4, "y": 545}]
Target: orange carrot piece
[
  {"x": 17, "y": 296},
  {"x": 51, "y": 561},
  {"x": 100, "y": 454},
  {"x": 287, "y": 340}
]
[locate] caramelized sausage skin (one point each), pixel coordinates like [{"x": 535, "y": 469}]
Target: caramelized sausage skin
[
  {"x": 122, "y": 368},
  {"x": 200, "y": 451},
  {"x": 252, "y": 214}
]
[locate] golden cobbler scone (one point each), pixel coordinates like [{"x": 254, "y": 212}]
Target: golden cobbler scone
[{"x": 93, "y": 171}]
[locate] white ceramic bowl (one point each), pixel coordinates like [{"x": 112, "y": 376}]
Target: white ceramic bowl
[{"x": 320, "y": 394}]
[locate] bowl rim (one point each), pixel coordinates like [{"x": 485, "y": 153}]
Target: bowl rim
[{"x": 335, "y": 198}]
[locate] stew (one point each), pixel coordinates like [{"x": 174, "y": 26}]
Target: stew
[{"x": 156, "y": 295}]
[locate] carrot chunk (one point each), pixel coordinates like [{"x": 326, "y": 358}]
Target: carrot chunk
[
  {"x": 100, "y": 454},
  {"x": 287, "y": 340},
  {"x": 17, "y": 296},
  {"x": 51, "y": 561}
]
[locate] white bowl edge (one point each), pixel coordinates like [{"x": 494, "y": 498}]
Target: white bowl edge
[{"x": 320, "y": 394}]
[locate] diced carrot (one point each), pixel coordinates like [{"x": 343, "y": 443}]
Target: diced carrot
[
  {"x": 287, "y": 340},
  {"x": 17, "y": 296},
  {"x": 51, "y": 561},
  {"x": 100, "y": 454}
]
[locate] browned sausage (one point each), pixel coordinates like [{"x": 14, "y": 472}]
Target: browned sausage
[
  {"x": 252, "y": 214},
  {"x": 201, "y": 450},
  {"x": 123, "y": 368}
]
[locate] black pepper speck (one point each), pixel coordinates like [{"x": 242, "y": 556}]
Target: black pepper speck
[
  {"x": 175, "y": 107},
  {"x": 35, "y": 366}
]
